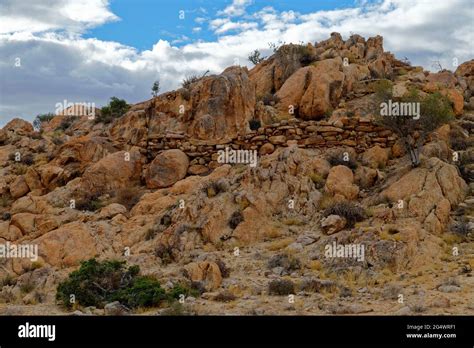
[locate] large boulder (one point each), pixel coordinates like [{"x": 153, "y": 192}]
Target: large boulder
[
  {"x": 272, "y": 73},
  {"x": 213, "y": 108},
  {"x": 206, "y": 272},
  {"x": 117, "y": 170},
  {"x": 429, "y": 192},
  {"x": 375, "y": 157},
  {"x": 19, "y": 126},
  {"x": 67, "y": 245},
  {"x": 340, "y": 183},
  {"x": 19, "y": 187},
  {"x": 313, "y": 90},
  {"x": 167, "y": 168},
  {"x": 222, "y": 105}
]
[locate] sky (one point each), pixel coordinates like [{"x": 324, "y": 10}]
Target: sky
[{"x": 86, "y": 51}]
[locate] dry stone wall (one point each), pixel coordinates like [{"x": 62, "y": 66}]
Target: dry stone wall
[{"x": 358, "y": 133}]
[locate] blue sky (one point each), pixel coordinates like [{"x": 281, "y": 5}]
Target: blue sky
[
  {"x": 91, "y": 50},
  {"x": 143, "y": 22}
]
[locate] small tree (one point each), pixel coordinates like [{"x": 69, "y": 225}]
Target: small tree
[
  {"x": 435, "y": 110},
  {"x": 255, "y": 57},
  {"x": 155, "y": 89},
  {"x": 37, "y": 123},
  {"x": 116, "y": 108}
]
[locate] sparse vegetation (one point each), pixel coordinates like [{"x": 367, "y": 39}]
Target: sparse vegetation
[
  {"x": 281, "y": 287},
  {"x": 351, "y": 212},
  {"x": 289, "y": 263},
  {"x": 115, "y": 109},
  {"x": 128, "y": 196},
  {"x": 190, "y": 80},
  {"x": 270, "y": 99},
  {"x": 435, "y": 110},
  {"x": 98, "y": 283},
  {"x": 155, "y": 89},
  {"x": 255, "y": 57},
  {"x": 235, "y": 219},
  {"x": 342, "y": 158},
  {"x": 89, "y": 202},
  {"x": 66, "y": 122},
  {"x": 318, "y": 180},
  {"x": 37, "y": 123},
  {"x": 213, "y": 188}
]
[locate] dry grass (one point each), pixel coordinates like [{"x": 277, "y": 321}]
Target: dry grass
[{"x": 280, "y": 244}]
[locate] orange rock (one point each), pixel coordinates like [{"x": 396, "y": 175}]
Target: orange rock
[{"x": 340, "y": 182}]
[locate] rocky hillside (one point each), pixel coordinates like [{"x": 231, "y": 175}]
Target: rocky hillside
[{"x": 162, "y": 187}]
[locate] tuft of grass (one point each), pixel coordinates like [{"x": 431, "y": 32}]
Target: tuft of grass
[{"x": 318, "y": 180}]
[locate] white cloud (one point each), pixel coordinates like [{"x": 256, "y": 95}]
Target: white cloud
[
  {"x": 57, "y": 66},
  {"x": 69, "y": 15},
  {"x": 237, "y": 8}
]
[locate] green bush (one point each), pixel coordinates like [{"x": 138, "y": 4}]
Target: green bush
[
  {"x": 42, "y": 118},
  {"x": 116, "y": 108},
  {"x": 98, "y": 283}
]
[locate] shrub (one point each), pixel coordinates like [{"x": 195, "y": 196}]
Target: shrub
[
  {"x": 435, "y": 109},
  {"x": 98, "y": 283},
  {"x": 225, "y": 296},
  {"x": 270, "y": 99},
  {"x": 340, "y": 158},
  {"x": 143, "y": 291},
  {"x": 37, "y": 123},
  {"x": 5, "y": 200},
  {"x": 182, "y": 289},
  {"x": 89, "y": 202},
  {"x": 254, "y": 124},
  {"x": 458, "y": 140},
  {"x": 351, "y": 212},
  {"x": 27, "y": 286},
  {"x": 189, "y": 80},
  {"x": 255, "y": 57},
  {"x": 235, "y": 219},
  {"x": 7, "y": 281},
  {"x": 306, "y": 57},
  {"x": 128, "y": 196},
  {"x": 225, "y": 271},
  {"x": 115, "y": 109},
  {"x": 165, "y": 253},
  {"x": 461, "y": 227},
  {"x": 213, "y": 188},
  {"x": 65, "y": 123},
  {"x": 28, "y": 159},
  {"x": 383, "y": 89},
  {"x": 288, "y": 262},
  {"x": 318, "y": 180},
  {"x": 281, "y": 287}
]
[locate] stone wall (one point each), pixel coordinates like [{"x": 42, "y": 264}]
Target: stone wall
[{"x": 357, "y": 133}]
